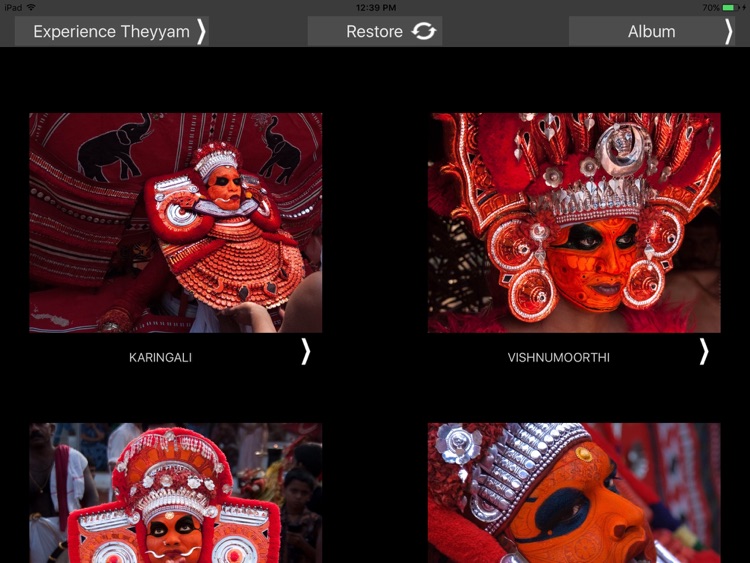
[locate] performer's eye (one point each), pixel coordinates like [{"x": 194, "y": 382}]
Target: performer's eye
[
  {"x": 582, "y": 237},
  {"x": 158, "y": 529},
  {"x": 562, "y": 512},
  {"x": 221, "y": 181},
  {"x": 588, "y": 243},
  {"x": 184, "y": 525},
  {"x": 609, "y": 482},
  {"x": 237, "y": 181},
  {"x": 628, "y": 239}
]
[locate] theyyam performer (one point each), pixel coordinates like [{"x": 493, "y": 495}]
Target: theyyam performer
[
  {"x": 580, "y": 212},
  {"x": 174, "y": 505},
  {"x": 220, "y": 235},
  {"x": 532, "y": 493}
]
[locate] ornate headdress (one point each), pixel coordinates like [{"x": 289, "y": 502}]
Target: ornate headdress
[
  {"x": 522, "y": 176},
  {"x": 212, "y": 155},
  {"x": 478, "y": 476},
  {"x": 174, "y": 469},
  {"x": 161, "y": 472}
]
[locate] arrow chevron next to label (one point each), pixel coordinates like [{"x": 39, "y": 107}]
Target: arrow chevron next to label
[
  {"x": 203, "y": 31},
  {"x": 730, "y": 31}
]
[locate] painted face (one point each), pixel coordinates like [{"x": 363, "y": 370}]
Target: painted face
[
  {"x": 225, "y": 187},
  {"x": 590, "y": 262},
  {"x": 174, "y": 537},
  {"x": 576, "y": 515}
]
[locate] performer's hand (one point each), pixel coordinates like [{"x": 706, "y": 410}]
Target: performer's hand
[
  {"x": 243, "y": 313},
  {"x": 249, "y": 313}
]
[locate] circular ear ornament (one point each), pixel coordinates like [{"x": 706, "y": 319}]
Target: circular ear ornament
[
  {"x": 509, "y": 248},
  {"x": 169, "y": 201},
  {"x": 235, "y": 549},
  {"x": 174, "y": 214},
  {"x": 115, "y": 552},
  {"x": 665, "y": 233},
  {"x": 531, "y": 292},
  {"x": 532, "y": 295},
  {"x": 645, "y": 285}
]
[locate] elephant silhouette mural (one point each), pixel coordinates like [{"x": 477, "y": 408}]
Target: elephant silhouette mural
[
  {"x": 109, "y": 147},
  {"x": 284, "y": 155}
]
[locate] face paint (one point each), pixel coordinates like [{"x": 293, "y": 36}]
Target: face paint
[
  {"x": 174, "y": 537},
  {"x": 590, "y": 262},
  {"x": 225, "y": 187},
  {"x": 575, "y": 515}
]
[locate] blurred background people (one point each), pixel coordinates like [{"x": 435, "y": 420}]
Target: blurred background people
[
  {"x": 59, "y": 482},
  {"x": 94, "y": 437},
  {"x": 118, "y": 439},
  {"x": 309, "y": 456},
  {"x": 300, "y": 526},
  {"x": 252, "y": 438},
  {"x": 65, "y": 433},
  {"x": 224, "y": 435}
]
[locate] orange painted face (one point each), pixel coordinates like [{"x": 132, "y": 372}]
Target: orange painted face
[
  {"x": 590, "y": 262},
  {"x": 576, "y": 515},
  {"x": 174, "y": 537},
  {"x": 225, "y": 187}
]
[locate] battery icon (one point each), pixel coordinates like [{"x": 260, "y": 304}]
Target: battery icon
[{"x": 729, "y": 7}]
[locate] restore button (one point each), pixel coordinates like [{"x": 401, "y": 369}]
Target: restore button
[{"x": 368, "y": 31}]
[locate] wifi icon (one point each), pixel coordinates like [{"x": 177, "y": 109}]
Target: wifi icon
[{"x": 30, "y": 7}]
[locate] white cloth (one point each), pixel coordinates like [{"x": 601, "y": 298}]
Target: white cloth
[
  {"x": 205, "y": 319},
  {"x": 44, "y": 536},
  {"x": 44, "y": 533},
  {"x": 118, "y": 440}
]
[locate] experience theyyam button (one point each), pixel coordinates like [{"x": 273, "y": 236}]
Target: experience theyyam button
[{"x": 104, "y": 31}]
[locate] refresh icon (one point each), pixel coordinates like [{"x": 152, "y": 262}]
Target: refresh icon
[{"x": 424, "y": 27}]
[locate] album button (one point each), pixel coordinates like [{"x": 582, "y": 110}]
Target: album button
[{"x": 651, "y": 31}]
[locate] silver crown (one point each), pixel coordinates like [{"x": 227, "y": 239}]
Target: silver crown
[
  {"x": 590, "y": 201},
  {"x": 212, "y": 161},
  {"x": 621, "y": 152},
  {"x": 509, "y": 470},
  {"x": 165, "y": 500}
]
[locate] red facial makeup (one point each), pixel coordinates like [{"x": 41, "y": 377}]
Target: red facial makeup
[{"x": 590, "y": 262}]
